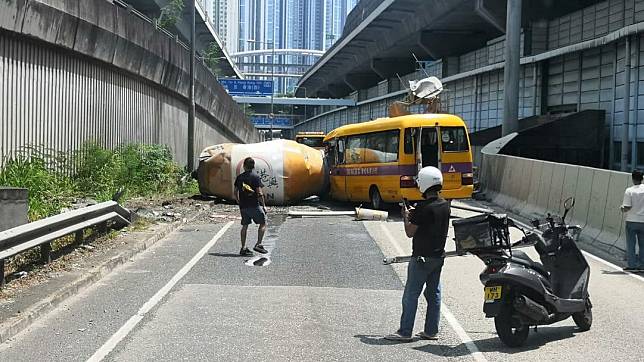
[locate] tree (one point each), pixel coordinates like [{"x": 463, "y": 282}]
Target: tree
[
  {"x": 211, "y": 57},
  {"x": 170, "y": 14}
]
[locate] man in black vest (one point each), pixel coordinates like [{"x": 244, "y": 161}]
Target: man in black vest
[
  {"x": 428, "y": 225},
  {"x": 248, "y": 193}
]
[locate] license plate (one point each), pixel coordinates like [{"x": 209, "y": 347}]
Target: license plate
[{"x": 492, "y": 294}]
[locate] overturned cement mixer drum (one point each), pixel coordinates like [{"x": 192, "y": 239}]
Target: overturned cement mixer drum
[{"x": 290, "y": 171}]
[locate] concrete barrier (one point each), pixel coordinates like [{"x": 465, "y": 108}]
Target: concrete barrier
[
  {"x": 555, "y": 199},
  {"x": 571, "y": 175},
  {"x": 531, "y": 209},
  {"x": 613, "y": 216},
  {"x": 532, "y": 188},
  {"x": 515, "y": 180},
  {"x": 582, "y": 196},
  {"x": 505, "y": 183},
  {"x": 13, "y": 207},
  {"x": 597, "y": 204},
  {"x": 525, "y": 185},
  {"x": 545, "y": 183}
]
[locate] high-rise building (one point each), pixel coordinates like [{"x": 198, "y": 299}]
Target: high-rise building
[
  {"x": 335, "y": 15},
  {"x": 247, "y": 25},
  {"x": 225, "y": 16}
]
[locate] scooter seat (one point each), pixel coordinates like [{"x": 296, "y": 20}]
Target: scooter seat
[{"x": 522, "y": 258}]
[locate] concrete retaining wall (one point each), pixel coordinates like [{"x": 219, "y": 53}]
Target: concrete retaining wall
[
  {"x": 532, "y": 188},
  {"x": 78, "y": 70}
]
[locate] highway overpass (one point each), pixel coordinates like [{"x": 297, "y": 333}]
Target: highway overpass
[{"x": 571, "y": 56}]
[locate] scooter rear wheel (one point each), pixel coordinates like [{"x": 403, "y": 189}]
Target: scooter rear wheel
[
  {"x": 584, "y": 320},
  {"x": 509, "y": 334}
]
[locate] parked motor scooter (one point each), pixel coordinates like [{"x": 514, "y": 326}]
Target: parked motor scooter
[{"x": 518, "y": 291}]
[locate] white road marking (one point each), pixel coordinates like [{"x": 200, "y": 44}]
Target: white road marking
[
  {"x": 135, "y": 319},
  {"x": 453, "y": 322}
]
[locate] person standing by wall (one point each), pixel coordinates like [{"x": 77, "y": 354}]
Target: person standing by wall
[
  {"x": 248, "y": 194},
  {"x": 633, "y": 206},
  {"x": 428, "y": 225}
]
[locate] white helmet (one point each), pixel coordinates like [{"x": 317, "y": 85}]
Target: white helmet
[{"x": 428, "y": 177}]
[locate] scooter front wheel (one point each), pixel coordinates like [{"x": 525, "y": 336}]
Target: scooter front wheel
[
  {"x": 509, "y": 333},
  {"x": 584, "y": 320}
]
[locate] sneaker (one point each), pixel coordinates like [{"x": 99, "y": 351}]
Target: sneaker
[
  {"x": 260, "y": 249},
  {"x": 398, "y": 337},
  {"x": 245, "y": 252},
  {"x": 423, "y": 335}
]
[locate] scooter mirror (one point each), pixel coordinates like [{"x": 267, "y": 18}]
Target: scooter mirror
[{"x": 568, "y": 204}]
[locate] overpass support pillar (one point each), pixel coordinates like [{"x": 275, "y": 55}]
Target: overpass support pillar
[
  {"x": 512, "y": 68},
  {"x": 627, "y": 105}
]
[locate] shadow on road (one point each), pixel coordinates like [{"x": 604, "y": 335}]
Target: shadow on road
[
  {"x": 378, "y": 340},
  {"x": 535, "y": 340},
  {"x": 227, "y": 255}
]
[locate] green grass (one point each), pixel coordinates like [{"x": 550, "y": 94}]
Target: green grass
[{"x": 54, "y": 179}]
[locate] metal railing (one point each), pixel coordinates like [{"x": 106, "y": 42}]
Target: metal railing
[
  {"x": 42, "y": 232},
  {"x": 145, "y": 18}
]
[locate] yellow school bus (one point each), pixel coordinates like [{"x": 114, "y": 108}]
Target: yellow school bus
[
  {"x": 311, "y": 139},
  {"x": 378, "y": 161}
]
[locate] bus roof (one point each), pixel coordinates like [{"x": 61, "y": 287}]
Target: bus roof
[{"x": 383, "y": 124}]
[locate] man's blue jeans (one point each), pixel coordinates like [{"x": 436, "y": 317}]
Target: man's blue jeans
[
  {"x": 420, "y": 274},
  {"x": 634, "y": 232}
]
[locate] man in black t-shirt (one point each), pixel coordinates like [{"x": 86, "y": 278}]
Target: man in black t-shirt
[
  {"x": 248, "y": 193},
  {"x": 428, "y": 225}
]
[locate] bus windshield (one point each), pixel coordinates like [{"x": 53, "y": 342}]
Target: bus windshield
[
  {"x": 453, "y": 139},
  {"x": 311, "y": 141}
]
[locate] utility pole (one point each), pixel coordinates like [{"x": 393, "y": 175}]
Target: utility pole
[
  {"x": 191, "y": 91},
  {"x": 272, "y": 78},
  {"x": 273, "y": 71}
]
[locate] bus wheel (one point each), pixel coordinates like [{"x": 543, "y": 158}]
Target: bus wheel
[{"x": 376, "y": 199}]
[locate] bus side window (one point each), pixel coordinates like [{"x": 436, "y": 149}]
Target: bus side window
[
  {"x": 355, "y": 149},
  {"x": 409, "y": 141},
  {"x": 340, "y": 152},
  {"x": 330, "y": 153}
]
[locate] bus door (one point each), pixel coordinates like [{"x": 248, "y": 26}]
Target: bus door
[
  {"x": 338, "y": 177},
  {"x": 428, "y": 147},
  {"x": 453, "y": 144}
]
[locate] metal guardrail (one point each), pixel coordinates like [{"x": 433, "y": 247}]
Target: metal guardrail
[{"x": 43, "y": 232}]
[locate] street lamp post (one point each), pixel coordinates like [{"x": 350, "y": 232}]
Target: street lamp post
[
  {"x": 191, "y": 91},
  {"x": 272, "y": 79}
]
